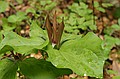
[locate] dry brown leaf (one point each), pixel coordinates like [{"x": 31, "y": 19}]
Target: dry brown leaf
[{"x": 116, "y": 67}]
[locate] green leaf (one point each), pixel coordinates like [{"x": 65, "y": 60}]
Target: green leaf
[
  {"x": 6, "y": 48},
  {"x": 110, "y": 30},
  {"x": 83, "y": 13},
  {"x": 83, "y": 5},
  {"x": 20, "y": 1},
  {"x": 12, "y": 41},
  {"x": 43, "y": 3},
  {"x": 83, "y": 55},
  {"x": 72, "y": 21},
  {"x": 111, "y": 72},
  {"x": 83, "y": 27},
  {"x": 68, "y": 28},
  {"x": 119, "y": 21},
  {"x": 111, "y": 41},
  {"x": 115, "y": 27},
  {"x": 88, "y": 17},
  {"x": 101, "y": 9},
  {"x": 116, "y": 77},
  {"x": 50, "y": 6},
  {"x": 106, "y": 5},
  {"x": 12, "y": 19},
  {"x": 80, "y": 17},
  {"x": 20, "y": 44},
  {"x": 116, "y": 13},
  {"x": 32, "y": 10},
  {"x": 96, "y": 4},
  {"x": 1, "y": 36},
  {"x": 3, "y": 6},
  {"x": 74, "y": 7},
  {"x": 8, "y": 69},
  {"x": 41, "y": 69},
  {"x": 93, "y": 27},
  {"x": 17, "y": 18},
  {"x": 36, "y": 31},
  {"x": 80, "y": 20},
  {"x": 20, "y": 16},
  {"x": 66, "y": 37},
  {"x": 6, "y": 26},
  {"x": 89, "y": 24}
]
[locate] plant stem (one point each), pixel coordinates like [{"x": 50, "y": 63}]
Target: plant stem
[{"x": 13, "y": 54}]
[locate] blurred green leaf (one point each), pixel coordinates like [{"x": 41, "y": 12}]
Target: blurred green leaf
[
  {"x": 36, "y": 31},
  {"x": 32, "y": 10},
  {"x": 3, "y": 6},
  {"x": 41, "y": 69},
  {"x": 6, "y": 26},
  {"x": 101, "y": 9},
  {"x": 20, "y": 16},
  {"x": 17, "y": 18},
  {"x": 51, "y": 6},
  {"x": 110, "y": 42},
  {"x": 80, "y": 17},
  {"x": 115, "y": 27},
  {"x": 106, "y": 5},
  {"x": 8, "y": 69},
  {"x": 20, "y": 1},
  {"x": 80, "y": 20},
  {"x": 12, "y": 19},
  {"x": 116, "y": 77},
  {"x": 83, "y": 5},
  {"x": 93, "y": 27},
  {"x": 110, "y": 30},
  {"x": 111, "y": 72},
  {"x": 42, "y": 2},
  {"x": 1, "y": 36},
  {"x": 116, "y": 13},
  {"x": 96, "y": 4},
  {"x": 119, "y": 21}
]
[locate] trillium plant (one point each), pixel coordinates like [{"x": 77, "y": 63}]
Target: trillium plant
[
  {"x": 62, "y": 53},
  {"x": 54, "y": 30}
]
